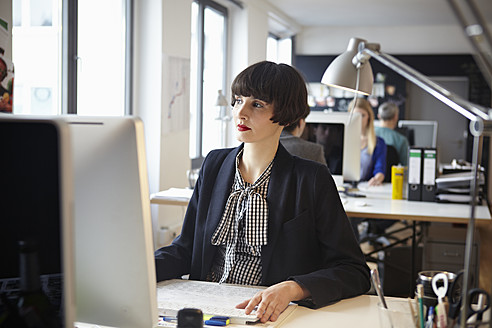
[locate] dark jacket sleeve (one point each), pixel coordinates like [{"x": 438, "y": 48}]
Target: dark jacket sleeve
[{"x": 174, "y": 260}]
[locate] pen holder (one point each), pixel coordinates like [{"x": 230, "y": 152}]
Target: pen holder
[
  {"x": 397, "y": 315},
  {"x": 425, "y": 278}
]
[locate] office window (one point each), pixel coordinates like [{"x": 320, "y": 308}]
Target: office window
[
  {"x": 208, "y": 70},
  {"x": 102, "y": 65},
  {"x": 36, "y": 54},
  {"x": 279, "y": 50},
  {"x": 101, "y": 53}
]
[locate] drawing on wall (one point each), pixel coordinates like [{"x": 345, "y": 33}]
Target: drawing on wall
[{"x": 175, "y": 94}]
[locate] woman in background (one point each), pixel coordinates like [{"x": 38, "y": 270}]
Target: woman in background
[{"x": 372, "y": 148}]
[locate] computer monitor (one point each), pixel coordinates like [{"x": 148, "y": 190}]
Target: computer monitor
[
  {"x": 35, "y": 208},
  {"x": 114, "y": 261},
  {"x": 339, "y": 133},
  {"x": 419, "y": 133}
]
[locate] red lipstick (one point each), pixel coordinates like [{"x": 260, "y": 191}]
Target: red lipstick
[{"x": 242, "y": 128}]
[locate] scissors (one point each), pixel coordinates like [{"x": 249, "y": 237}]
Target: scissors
[
  {"x": 478, "y": 300},
  {"x": 482, "y": 299},
  {"x": 441, "y": 292}
]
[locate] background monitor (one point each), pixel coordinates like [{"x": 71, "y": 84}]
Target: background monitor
[
  {"x": 419, "y": 133},
  {"x": 339, "y": 133},
  {"x": 35, "y": 206},
  {"x": 114, "y": 259}
]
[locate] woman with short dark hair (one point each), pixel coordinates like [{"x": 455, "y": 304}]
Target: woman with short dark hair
[{"x": 260, "y": 216}]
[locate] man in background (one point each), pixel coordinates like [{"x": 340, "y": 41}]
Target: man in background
[
  {"x": 290, "y": 139},
  {"x": 388, "y": 116}
]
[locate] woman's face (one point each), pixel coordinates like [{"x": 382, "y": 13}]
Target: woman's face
[
  {"x": 252, "y": 120},
  {"x": 364, "y": 117}
]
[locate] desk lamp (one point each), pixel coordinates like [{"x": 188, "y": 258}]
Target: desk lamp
[
  {"x": 351, "y": 71},
  {"x": 222, "y": 103}
]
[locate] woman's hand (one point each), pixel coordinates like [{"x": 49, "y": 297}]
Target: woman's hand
[
  {"x": 376, "y": 180},
  {"x": 271, "y": 302}
]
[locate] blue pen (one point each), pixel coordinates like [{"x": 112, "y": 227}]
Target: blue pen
[{"x": 169, "y": 319}]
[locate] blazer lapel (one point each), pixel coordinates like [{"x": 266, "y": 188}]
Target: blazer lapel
[{"x": 218, "y": 198}]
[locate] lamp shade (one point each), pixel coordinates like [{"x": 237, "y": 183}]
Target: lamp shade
[{"x": 342, "y": 73}]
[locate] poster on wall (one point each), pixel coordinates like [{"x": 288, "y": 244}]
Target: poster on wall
[
  {"x": 6, "y": 70},
  {"x": 175, "y": 94}
]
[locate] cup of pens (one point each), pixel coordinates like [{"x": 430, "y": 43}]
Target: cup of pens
[
  {"x": 398, "y": 314},
  {"x": 425, "y": 278}
]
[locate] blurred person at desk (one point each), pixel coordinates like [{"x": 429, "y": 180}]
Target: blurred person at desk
[
  {"x": 260, "y": 216},
  {"x": 373, "y": 169},
  {"x": 290, "y": 139},
  {"x": 372, "y": 148},
  {"x": 388, "y": 115}
]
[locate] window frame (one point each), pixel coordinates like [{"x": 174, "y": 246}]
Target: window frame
[
  {"x": 196, "y": 161},
  {"x": 70, "y": 57}
]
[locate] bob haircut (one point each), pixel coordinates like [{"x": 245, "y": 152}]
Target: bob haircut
[{"x": 278, "y": 84}]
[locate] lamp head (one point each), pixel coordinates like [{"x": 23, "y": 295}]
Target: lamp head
[{"x": 342, "y": 72}]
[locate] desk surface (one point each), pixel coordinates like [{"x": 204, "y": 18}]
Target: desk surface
[
  {"x": 361, "y": 311},
  {"x": 377, "y": 204}
]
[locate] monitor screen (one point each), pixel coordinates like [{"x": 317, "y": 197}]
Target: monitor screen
[
  {"x": 419, "y": 133},
  {"x": 339, "y": 133},
  {"x": 115, "y": 270},
  {"x": 35, "y": 198}
]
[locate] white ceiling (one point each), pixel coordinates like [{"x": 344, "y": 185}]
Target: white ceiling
[{"x": 316, "y": 13}]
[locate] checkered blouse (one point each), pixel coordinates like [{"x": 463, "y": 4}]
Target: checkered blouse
[{"x": 242, "y": 231}]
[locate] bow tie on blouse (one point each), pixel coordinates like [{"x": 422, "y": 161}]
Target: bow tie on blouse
[{"x": 244, "y": 203}]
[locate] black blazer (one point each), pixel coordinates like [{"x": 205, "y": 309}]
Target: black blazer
[{"x": 310, "y": 239}]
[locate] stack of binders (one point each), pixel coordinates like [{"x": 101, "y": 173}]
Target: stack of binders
[{"x": 422, "y": 166}]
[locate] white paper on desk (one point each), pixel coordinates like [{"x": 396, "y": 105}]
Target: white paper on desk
[
  {"x": 180, "y": 194},
  {"x": 212, "y": 298}
]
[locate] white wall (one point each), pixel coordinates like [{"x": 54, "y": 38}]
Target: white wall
[
  {"x": 408, "y": 40},
  {"x": 162, "y": 28},
  {"x": 247, "y": 40}
]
